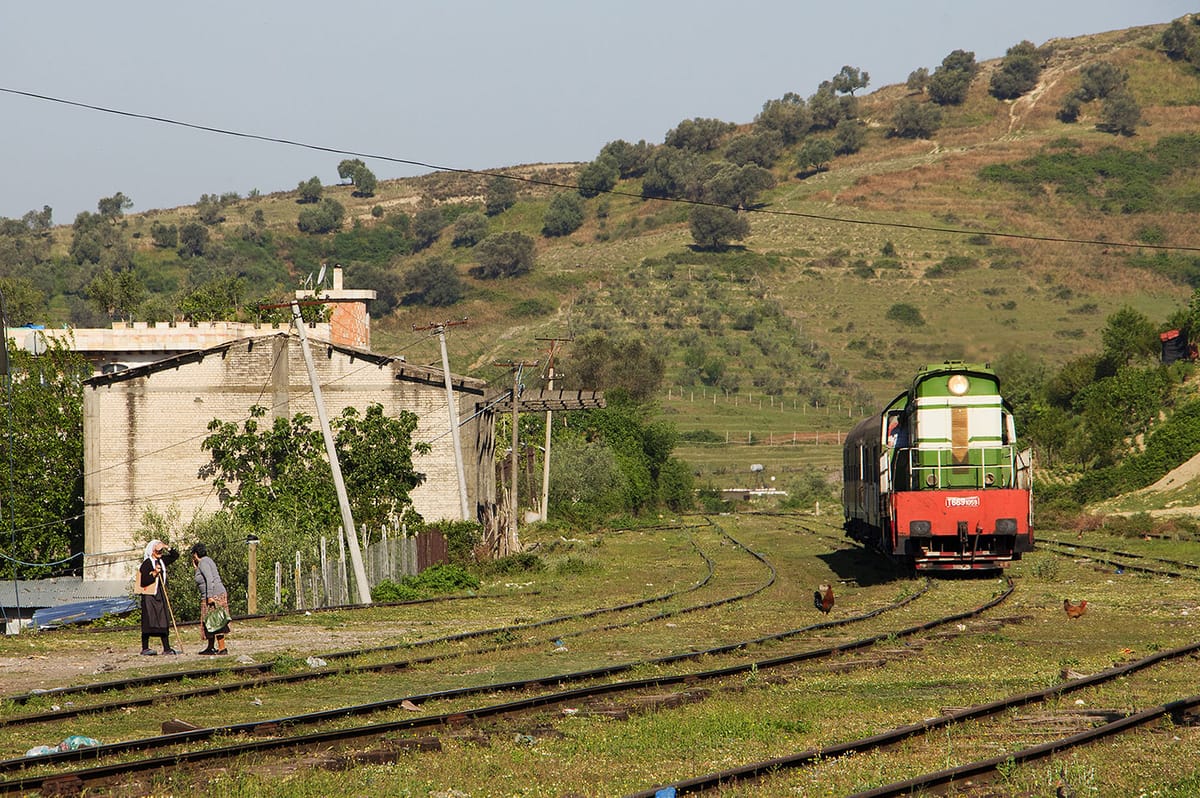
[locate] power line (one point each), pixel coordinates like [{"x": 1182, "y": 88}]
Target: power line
[{"x": 614, "y": 192}]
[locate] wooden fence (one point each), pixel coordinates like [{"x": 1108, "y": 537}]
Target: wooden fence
[{"x": 329, "y": 582}]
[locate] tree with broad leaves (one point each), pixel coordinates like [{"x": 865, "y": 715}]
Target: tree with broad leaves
[
  {"x": 714, "y": 227},
  {"x": 280, "y": 473},
  {"x": 43, "y": 482}
]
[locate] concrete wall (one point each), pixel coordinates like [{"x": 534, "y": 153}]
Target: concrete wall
[{"x": 143, "y": 430}]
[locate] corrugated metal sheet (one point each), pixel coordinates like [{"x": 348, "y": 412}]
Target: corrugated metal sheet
[{"x": 82, "y": 612}]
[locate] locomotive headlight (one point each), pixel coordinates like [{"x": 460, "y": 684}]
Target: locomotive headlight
[
  {"x": 958, "y": 384},
  {"x": 931, "y": 479}
]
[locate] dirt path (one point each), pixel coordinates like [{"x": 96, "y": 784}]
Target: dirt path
[{"x": 105, "y": 656}]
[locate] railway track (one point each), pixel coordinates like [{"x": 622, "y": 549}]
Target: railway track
[
  {"x": 1123, "y": 560},
  {"x": 603, "y": 685},
  {"x": 960, "y": 773},
  {"x": 261, "y": 674}
]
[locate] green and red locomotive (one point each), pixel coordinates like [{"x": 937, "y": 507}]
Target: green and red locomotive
[{"x": 936, "y": 480}]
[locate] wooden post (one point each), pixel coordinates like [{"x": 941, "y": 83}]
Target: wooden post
[
  {"x": 298, "y": 580},
  {"x": 252, "y": 578}
]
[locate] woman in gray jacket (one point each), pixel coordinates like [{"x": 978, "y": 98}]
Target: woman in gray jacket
[{"x": 212, "y": 594}]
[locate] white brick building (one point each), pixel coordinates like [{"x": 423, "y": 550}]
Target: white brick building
[{"x": 143, "y": 428}]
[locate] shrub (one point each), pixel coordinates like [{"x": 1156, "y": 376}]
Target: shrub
[{"x": 905, "y": 314}]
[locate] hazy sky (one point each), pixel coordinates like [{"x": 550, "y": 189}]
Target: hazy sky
[{"x": 467, "y": 84}]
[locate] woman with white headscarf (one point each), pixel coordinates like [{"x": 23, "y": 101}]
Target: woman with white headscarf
[{"x": 152, "y": 584}]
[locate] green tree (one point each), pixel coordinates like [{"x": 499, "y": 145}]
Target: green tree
[
  {"x": 310, "y": 190},
  {"x": 632, "y": 160},
  {"x": 193, "y": 240},
  {"x": 501, "y": 195},
  {"x": 950, "y": 82},
  {"x": 1129, "y": 335},
  {"x": 219, "y": 298},
  {"x": 1119, "y": 114},
  {"x": 735, "y": 186},
  {"x": 1018, "y": 73},
  {"x": 116, "y": 294},
  {"x": 348, "y": 166},
  {"x": 564, "y": 215},
  {"x": 24, "y": 303},
  {"x": 508, "y": 254},
  {"x": 1099, "y": 79},
  {"x": 165, "y": 236},
  {"x": 914, "y": 120},
  {"x": 599, "y": 361},
  {"x": 354, "y": 170},
  {"x": 698, "y": 135},
  {"x": 111, "y": 208},
  {"x": 849, "y": 137},
  {"x": 1179, "y": 41},
  {"x": 210, "y": 209},
  {"x": 815, "y": 154},
  {"x": 434, "y": 282},
  {"x": 849, "y": 79},
  {"x": 428, "y": 225},
  {"x": 42, "y": 481},
  {"x": 325, "y": 218},
  {"x": 642, "y": 450},
  {"x": 789, "y": 116},
  {"x": 673, "y": 173},
  {"x": 469, "y": 229},
  {"x": 918, "y": 79},
  {"x": 761, "y": 147},
  {"x": 598, "y": 177},
  {"x": 265, "y": 475},
  {"x": 714, "y": 227}
]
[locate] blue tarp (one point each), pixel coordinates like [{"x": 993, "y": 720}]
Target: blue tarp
[{"x": 82, "y": 611}]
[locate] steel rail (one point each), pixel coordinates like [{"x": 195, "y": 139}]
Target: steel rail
[
  {"x": 383, "y": 667},
  {"x": 374, "y": 730},
  {"x": 804, "y": 758},
  {"x": 200, "y": 673}
]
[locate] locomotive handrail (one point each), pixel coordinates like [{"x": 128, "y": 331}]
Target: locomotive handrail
[{"x": 1008, "y": 465}]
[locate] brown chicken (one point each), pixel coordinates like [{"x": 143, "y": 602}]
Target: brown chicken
[
  {"x": 1074, "y": 610},
  {"x": 823, "y": 598}
]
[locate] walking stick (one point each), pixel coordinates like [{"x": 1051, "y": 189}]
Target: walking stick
[{"x": 162, "y": 584}]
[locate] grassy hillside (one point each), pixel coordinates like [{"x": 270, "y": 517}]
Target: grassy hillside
[{"x": 797, "y": 314}]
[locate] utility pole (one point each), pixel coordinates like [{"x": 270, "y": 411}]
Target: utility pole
[
  {"x": 512, "y": 543},
  {"x": 360, "y": 573},
  {"x": 550, "y": 375},
  {"x": 453, "y": 409}
]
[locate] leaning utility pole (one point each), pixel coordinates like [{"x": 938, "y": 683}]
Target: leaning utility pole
[
  {"x": 453, "y": 408},
  {"x": 513, "y": 544},
  {"x": 550, "y": 375},
  {"x": 360, "y": 573}
]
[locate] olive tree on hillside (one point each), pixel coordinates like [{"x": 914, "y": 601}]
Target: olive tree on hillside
[
  {"x": 950, "y": 82},
  {"x": 714, "y": 227},
  {"x": 563, "y": 216},
  {"x": 914, "y": 120},
  {"x": 500, "y": 195},
  {"x": 789, "y": 116},
  {"x": 632, "y": 160},
  {"x": 698, "y": 135},
  {"x": 363, "y": 179},
  {"x": 309, "y": 190},
  {"x": 507, "y": 254},
  {"x": 1018, "y": 73},
  {"x": 434, "y": 282}
]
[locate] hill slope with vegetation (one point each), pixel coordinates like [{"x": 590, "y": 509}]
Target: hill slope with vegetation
[{"x": 1036, "y": 212}]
